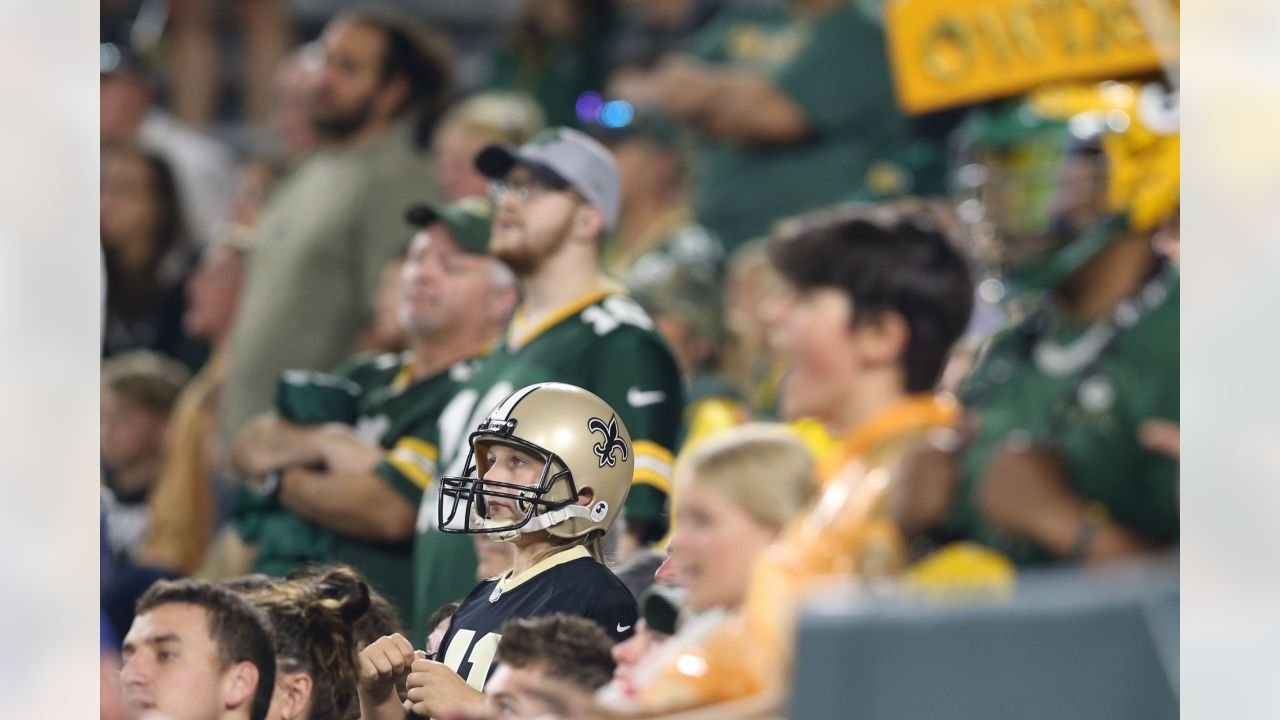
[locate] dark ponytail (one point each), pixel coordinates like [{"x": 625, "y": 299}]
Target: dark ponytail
[{"x": 312, "y": 619}]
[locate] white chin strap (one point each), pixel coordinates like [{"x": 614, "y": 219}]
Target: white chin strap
[{"x": 540, "y": 522}]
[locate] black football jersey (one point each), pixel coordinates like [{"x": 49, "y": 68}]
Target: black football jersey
[{"x": 579, "y": 586}]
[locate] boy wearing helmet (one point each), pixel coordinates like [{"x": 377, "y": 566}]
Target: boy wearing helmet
[{"x": 549, "y": 470}]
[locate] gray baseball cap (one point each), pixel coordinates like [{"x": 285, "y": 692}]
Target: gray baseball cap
[{"x": 569, "y": 155}]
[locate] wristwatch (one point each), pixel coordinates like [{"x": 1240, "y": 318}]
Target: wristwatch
[
  {"x": 1095, "y": 514},
  {"x": 269, "y": 487}
]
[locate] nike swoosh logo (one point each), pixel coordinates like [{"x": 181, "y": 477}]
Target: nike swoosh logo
[
  {"x": 639, "y": 398},
  {"x": 623, "y": 628}
]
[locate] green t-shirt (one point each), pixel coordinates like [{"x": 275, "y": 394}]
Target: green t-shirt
[
  {"x": 401, "y": 416},
  {"x": 1092, "y": 420},
  {"x": 604, "y": 343},
  {"x": 835, "y": 68}
]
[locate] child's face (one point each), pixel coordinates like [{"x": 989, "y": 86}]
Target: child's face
[
  {"x": 130, "y": 433},
  {"x": 628, "y": 654},
  {"x": 508, "y": 465}
]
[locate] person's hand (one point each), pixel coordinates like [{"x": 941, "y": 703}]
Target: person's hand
[
  {"x": 930, "y": 477},
  {"x": 681, "y": 82},
  {"x": 1024, "y": 492},
  {"x": 635, "y": 86},
  {"x": 1163, "y": 436},
  {"x": 346, "y": 453},
  {"x": 434, "y": 689},
  {"x": 385, "y": 662},
  {"x": 928, "y": 485}
]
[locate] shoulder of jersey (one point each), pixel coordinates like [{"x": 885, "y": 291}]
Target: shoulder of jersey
[
  {"x": 599, "y": 577},
  {"x": 618, "y": 313},
  {"x": 464, "y": 370},
  {"x": 388, "y": 361}
]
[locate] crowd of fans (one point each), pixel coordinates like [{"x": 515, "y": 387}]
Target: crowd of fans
[{"x": 644, "y": 317}]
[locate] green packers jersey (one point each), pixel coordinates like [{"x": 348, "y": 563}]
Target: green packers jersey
[
  {"x": 604, "y": 343},
  {"x": 377, "y": 396},
  {"x": 400, "y": 415},
  {"x": 1091, "y": 417},
  {"x": 834, "y": 68}
]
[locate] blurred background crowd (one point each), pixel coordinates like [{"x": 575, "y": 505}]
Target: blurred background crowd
[{"x": 260, "y": 160}]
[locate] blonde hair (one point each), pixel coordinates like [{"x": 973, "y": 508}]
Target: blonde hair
[
  {"x": 593, "y": 541},
  {"x": 500, "y": 117},
  {"x": 763, "y": 469},
  {"x": 146, "y": 378}
]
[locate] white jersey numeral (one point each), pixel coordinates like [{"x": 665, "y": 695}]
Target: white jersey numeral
[
  {"x": 481, "y": 655},
  {"x": 616, "y": 310},
  {"x": 457, "y": 421}
]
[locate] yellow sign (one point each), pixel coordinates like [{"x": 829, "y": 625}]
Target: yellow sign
[{"x": 955, "y": 52}]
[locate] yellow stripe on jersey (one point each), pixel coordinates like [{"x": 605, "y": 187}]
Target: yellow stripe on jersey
[
  {"x": 415, "y": 459},
  {"x": 403, "y": 378},
  {"x": 652, "y": 466}
]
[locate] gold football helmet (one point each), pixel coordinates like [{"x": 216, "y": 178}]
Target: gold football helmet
[{"x": 584, "y": 447}]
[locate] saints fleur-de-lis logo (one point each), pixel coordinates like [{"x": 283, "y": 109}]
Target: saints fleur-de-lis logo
[{"x": 606, "y": 448}]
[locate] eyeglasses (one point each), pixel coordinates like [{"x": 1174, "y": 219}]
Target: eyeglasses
[{"x": 522, "y": 189}]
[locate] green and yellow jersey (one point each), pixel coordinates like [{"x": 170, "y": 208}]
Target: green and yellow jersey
[
  {"x": 1090, "y": 416},
  {"x": 379, "y": 398},
  {"x": 400, "y": 415}
]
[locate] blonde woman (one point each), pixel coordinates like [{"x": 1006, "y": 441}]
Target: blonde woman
[{"x": 735, "y": 493}]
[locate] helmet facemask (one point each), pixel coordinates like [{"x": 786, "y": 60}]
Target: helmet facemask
[
  {"x": 580, "y": 450},
  {"x": 1024, "y": 202},
  {"x": 1045, "y": 183},
  {"x": 466, "y": 501}
]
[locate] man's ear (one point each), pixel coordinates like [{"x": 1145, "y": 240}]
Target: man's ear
[
  {"x": 883, "y": 341},
  {"x": 390, "y": 97},
  {"x": 588, "y": 223},
  {"x": 240, "y": 685},
  {"x": 502, "y": 303},
  {"x": 293, "y": 693}
]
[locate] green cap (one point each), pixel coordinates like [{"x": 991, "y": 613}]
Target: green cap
[{"x": 469, "y": 221}]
